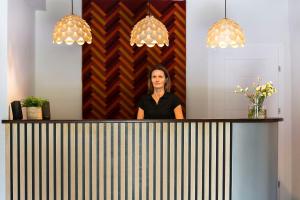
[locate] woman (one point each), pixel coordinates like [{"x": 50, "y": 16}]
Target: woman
[{"x": 159, "y": 103}]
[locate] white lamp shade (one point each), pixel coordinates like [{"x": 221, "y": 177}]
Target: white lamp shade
[
  {"x": 149, "y": 31},
  {"x": 225, "y": 33},
  {"x": 70, "y": 29}
]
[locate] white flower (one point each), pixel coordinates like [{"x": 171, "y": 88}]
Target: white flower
[{"x": 257, "y": 90}]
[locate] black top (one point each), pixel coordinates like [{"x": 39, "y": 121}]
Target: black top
[{"x": 164, "y": 109}]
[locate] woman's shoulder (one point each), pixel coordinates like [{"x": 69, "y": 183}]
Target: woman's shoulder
[
  {"x": 145, "y": 97},
  {"x": 173, "y": 98},
  {"x": 171, "y": 95}
]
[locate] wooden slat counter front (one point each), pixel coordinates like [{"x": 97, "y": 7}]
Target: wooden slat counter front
[{"x": 150, "y": 159}]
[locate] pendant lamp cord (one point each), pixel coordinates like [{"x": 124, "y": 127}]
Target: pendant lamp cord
[
  {"x": 72, "y": 8},
  {"x": 148, "y": 8},
  {"x": 225, "y": 10}
]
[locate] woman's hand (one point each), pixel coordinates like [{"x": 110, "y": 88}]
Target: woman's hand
[
  {"x": 140, "y": 114},
  {"x": 178, "y": 112}
]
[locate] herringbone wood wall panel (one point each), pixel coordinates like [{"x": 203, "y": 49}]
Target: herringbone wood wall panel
[{"x": 114, "y": 74}]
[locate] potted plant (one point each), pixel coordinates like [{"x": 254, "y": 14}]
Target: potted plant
[{"x": 33, "y": 107}]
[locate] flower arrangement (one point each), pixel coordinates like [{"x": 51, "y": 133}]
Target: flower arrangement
[{"x": 257, "y": 94}]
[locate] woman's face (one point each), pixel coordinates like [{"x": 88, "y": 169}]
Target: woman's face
[{"x": 158, "y": 79}]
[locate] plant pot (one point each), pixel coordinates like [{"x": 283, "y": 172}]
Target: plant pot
[
  {"x": 34, "y": 113},
  {"x": 24, "y": 111},
  {"x": 46, "y": 110}
]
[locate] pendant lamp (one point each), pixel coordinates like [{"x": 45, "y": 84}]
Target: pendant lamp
[
  {"x": 149, "y": 31},
  {"x": 225, "y": 33},
  {"x": 70, "y": 29}
]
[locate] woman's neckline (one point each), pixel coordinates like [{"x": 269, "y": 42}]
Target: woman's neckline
[{"x": 158, "y": 98}]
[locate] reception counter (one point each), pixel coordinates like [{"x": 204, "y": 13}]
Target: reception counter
[{"x": 142, "y": 159}]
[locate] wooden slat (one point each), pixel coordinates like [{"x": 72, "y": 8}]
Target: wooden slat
[
  {"x": 227, "y": 173},
  {"x": 206, "y": 160},
  {"x": 158, "y": 160},
  {"x": 80, "y": 161},
  {"x": 165, "y": 159},
  {"x": 108, "y": 161},
  {"x": 179, "y": 161},
  {"x": 44, "y": 158},
  {"x": 22, "y": 161},
  {"x": 7, "y": 161},
  {"x": 115, "y": 161},
  {"x": 172, "y": 158},
  {"x": 193, "y": 158},
  {"x": 136, "y": 160},
  {"x": 94, "y": 161},
  {"x": 130, "y": 158},
  {"x": 36, "y": 161},
  {"x": 72, "y": 153},
  {"x": 29, "y": 161},
  {"x": 151, "y": 160},
  {"x": 51, "y": 162},
  {"x": 59, "y": 159},
  {"x": 101, "y": 158},
  {"x": 213, "y": 162},
  {"x": 86, "y": 161},
  {"x": 200, "y": 163},
  {"x": 144, "y": 159},
  {"x": 220, "y": 167},
  {"x": 185, "y": 162},
  {"x": 15, "y": 162},
  {"x": 65, "y": 161},
  {"x": 152, "y": 163},
  {"x": 122, "y": 167}
]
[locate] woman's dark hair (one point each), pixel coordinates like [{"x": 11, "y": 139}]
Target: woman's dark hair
[{"x": 167, "y": 76}]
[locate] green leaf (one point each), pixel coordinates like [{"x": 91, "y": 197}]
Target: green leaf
[{"x": 33, "y": 102}]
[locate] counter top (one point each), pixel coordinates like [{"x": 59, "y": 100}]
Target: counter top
[{"x": 235, "y": 120}]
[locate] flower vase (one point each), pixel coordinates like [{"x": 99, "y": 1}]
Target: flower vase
[{"x": 256, "y": 110}]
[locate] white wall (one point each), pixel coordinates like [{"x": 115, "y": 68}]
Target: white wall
[
  {"x": 20, "y": 49},
  {"x": 295, "y": 49},
  {"x": 58, "y": 67},
  {"x": 37, "y": 4},
  {"x": 3, "y": 90},
  {"x": 264, "y": 22},
  {"x": 16, "y": 61}
]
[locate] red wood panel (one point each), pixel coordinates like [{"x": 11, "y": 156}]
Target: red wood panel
[{"x": 114, "y": 74}]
